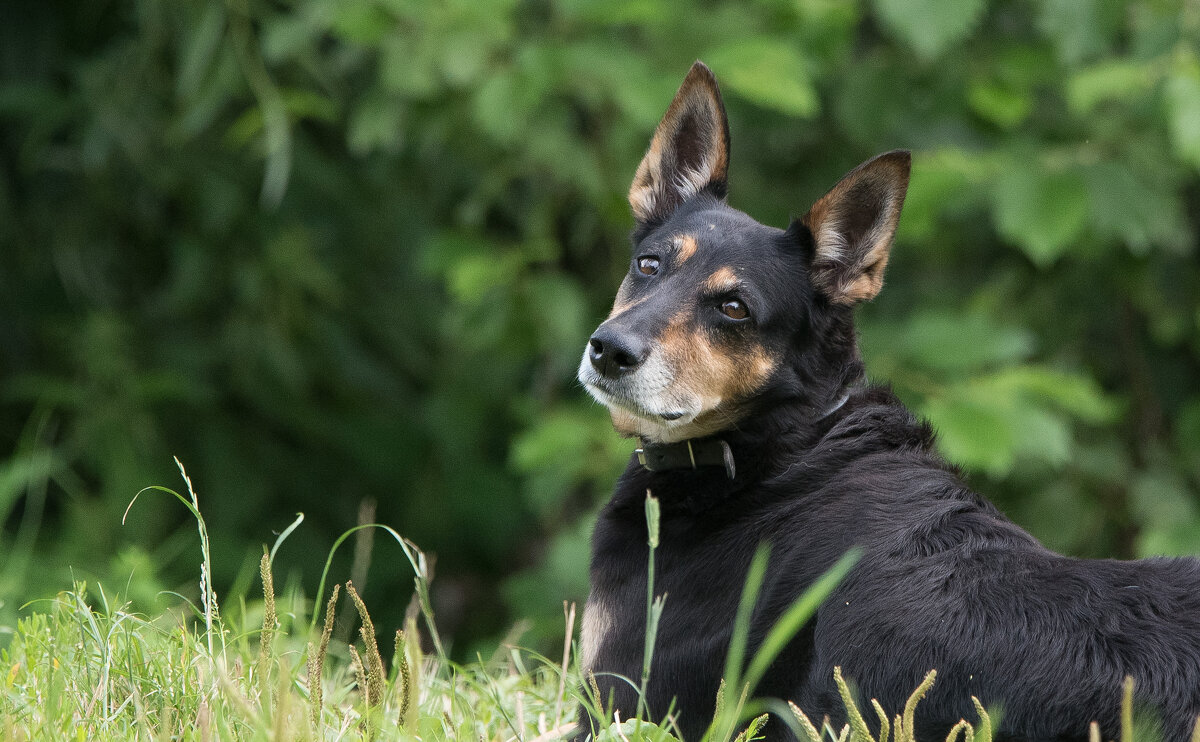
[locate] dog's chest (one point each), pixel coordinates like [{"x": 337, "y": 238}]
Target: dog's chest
[{"x": 699, "y": 571}]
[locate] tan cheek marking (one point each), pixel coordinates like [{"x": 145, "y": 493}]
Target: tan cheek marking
[
  {"x": 722, "y": 279},
  {"x": 685, "y": 247},
  {"x": 757, "y": 367},
  {"x": 710, "y": 372}
]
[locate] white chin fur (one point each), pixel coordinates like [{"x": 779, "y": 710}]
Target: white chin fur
[{"x": 644, "y": 402}]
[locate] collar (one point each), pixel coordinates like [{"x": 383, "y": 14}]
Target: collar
[
  {"x": 697, "y": 452},
  {"x": 689, "y": 454}
]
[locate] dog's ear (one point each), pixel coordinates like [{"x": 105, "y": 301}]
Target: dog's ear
[
  {"x": 689, "y": 151},
  {"x": 852, "y": 228}
]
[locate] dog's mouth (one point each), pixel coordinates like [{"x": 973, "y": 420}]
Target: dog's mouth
[{"x": 613, "y": 398}]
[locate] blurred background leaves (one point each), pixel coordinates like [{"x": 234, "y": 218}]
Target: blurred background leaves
[{"x": 329, "y": 253}]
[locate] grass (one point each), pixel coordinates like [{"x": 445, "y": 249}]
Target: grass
[{"x": 83, "y": 667}]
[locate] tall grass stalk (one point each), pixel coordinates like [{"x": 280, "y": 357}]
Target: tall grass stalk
[
  {"x": 420, "y": 564},
  {"x": 654, "y": 604},
  {"x": 208, "y": 595}
]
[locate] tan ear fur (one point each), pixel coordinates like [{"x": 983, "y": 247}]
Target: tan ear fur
[
  {"x": 853, "y": 226},
  {"x": 688, "y": 153}
]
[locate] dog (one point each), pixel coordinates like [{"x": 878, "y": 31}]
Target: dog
[{"x": 731, "y": 354}]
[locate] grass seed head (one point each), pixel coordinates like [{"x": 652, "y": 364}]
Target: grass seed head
[
  {"x": 316, "y": 661},
  {"x": 374, "y": 662},
  {"x": 267, "y": 638}
]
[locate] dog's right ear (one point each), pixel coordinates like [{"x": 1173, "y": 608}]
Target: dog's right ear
[{"x": 689, "y": 152}]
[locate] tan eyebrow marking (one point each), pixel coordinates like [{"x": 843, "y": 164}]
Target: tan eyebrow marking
[
  {"x": 723, "y": 279},
  {"x": 685, "y": 245}
]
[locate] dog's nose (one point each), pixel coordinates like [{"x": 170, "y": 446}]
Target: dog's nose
[{"x": 613, "y": 353}]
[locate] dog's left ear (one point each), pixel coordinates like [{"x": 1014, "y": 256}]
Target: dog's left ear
[
  {"x": 689, "y": 151},
  {"x": 853, "y": 225}
]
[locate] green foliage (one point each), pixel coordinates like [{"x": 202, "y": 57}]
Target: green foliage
[{"x": 335, "y": 252}]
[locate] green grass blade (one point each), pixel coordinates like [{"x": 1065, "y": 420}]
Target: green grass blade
[
  {"x": 283, "y": 537},
  {"x": 796, "y": 615}
]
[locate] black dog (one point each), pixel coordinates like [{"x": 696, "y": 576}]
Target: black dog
[{"x": 731, "y": 353}]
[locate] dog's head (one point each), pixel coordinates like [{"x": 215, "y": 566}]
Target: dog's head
[{"x": 718, "y": 311}]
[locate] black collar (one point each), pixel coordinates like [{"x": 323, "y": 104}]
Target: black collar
[
  {"x": 697, "y": 452},
  {"x": 689, "y": 454}
]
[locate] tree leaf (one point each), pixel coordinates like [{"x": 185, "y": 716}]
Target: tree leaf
[
  {"x": 949, "y": 343},
  {"x": 1043, "y": 213},
  {"x": 1183, "y": 111},
  {"x": 1079, "y": 28},
  {"x": 1109, "y": 80},
  {"x": 769, "y": 72},
  {"x": 1000, "y": 104},
  {"x": 930, "y": 26},
  {"x": 975, "y": 433}
]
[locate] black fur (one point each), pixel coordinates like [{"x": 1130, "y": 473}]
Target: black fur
[{"x": 945, "y": 580}]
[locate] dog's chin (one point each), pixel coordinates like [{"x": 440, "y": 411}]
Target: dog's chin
[
  {"x": 651, "y": 429},
  {"x": 635, "y": 420},
  {"x": 632, "y": 417}
]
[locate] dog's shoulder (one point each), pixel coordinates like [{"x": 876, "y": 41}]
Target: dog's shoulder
[{"x": 873, "y": 473}]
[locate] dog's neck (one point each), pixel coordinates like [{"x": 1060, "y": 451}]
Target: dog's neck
[{"x": 710, "y": 451}]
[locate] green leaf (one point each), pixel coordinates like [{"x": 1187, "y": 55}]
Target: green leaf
[
  {"x": 1079, "y": 28},
  {"x": 1167, "y": 512},
  {"x": 1000, "y": 104},
  {"x": 375, "y": 125},
  {"x": 199, "y": 51},
  {"x": 1043, "y": 213},
  {"x": 1118, "y": 79},
  {"x": 406, "y": 68},
  {"x": 797, "y": 614},
  {"x": 1183, "y": 111},
  {"x": 634, "y": 730},
  {"x": 949, "y": 343},
  {"x": 22, "y": 471},
  {"x": 1045, "y": 436},
  {"x": 474, "y": 276},
  {"x": 988, "y": 422},
  {"x": 1079, "y": 395},
  {"x": 975, "y": 433},
  {"x": 930, "y": 26},
  {"x": 942, "y": 180},
  {"x": 362, "y": 21},
  {"x": 1139, "y": 213},
  {"x": 769, "y": 72},
  {"x": 564, "y": 329}
]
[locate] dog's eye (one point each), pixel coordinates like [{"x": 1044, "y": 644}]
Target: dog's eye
[
  {"x": 735, "y": 309},
  {"x": 648, "y": 265}
]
